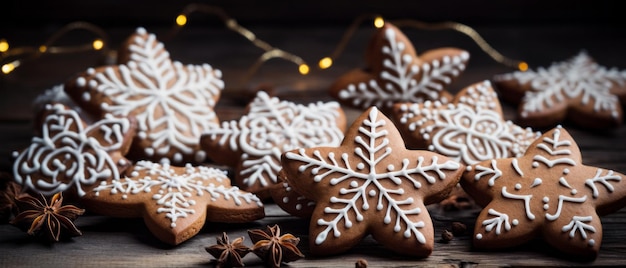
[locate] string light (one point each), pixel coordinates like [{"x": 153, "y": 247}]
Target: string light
[
  {"x": 9, "y": 67},
  {"x": 181, "y": 20},
  {"x": 4, "y": 45},
  {"x": 97, "y": 44},
  {"x": 327, "y": 62},
  {"x": 304, "y": 69},
  {"x": 523, "y": 66},
  {"x": 11, "y": 58},
  {"x": 469, "y": 31},
  {"x": 379, "y": 22},
  {"x": 270, "y": 51}
]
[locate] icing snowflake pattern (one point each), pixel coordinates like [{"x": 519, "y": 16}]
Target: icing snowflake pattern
[
  {"x": 470, "y": 130},
  {"x": 173, "y": 103},
  {"x": 403, "y": 78},
  {"x": 176, "y": 195},
  {"x": 554, "y": 191},
  {"x": 68, "y": 154},
  {"x": 368, "y": 177},
  {"x": 577, "y": 81},
  {"x": 270, "y": 128}
]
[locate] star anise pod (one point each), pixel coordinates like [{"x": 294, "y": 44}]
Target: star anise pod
[
  {"x": 228, "y": 254},
  {"x": 54, "y": 215},
  {"x": 273, "y": 248},
  {"x": 9, "y": 190}
]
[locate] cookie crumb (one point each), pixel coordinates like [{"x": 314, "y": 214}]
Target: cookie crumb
[
  {"x": 447, "y": 236},
  {"x": 360, "y": 263},
  {"x": 458, "y": 228}
]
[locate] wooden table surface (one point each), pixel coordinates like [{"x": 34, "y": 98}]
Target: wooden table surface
[{"x": 126, "y": 242}]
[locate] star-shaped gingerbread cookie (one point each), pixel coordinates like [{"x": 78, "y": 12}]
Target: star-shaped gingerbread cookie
[
  {"x": 578, "y": 90},
  {"x": 395, "y": 73},
  {"x": 254, "y": 143},
  {"x": 470, "y": 129},
  {"x": 174, "y": 201},
  {"x": 371, "y": 184},
  {"x": 173, "y": 103},
  {"x": 546, "y": 192},
  {"x": 68, "y": 154}
]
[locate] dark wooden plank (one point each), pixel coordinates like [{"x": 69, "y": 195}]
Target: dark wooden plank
[{"x": 126, "y": 243}]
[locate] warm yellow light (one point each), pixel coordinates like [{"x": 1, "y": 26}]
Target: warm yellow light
[
  {"x": 97, "y": 44},
  {"x": 523, "y": 66},
  {"x": 325, "y": 63},
  {"x": 43, "y": 49},
  {"x": 379, "y": 22},
  {"x": 4, "y": 45},
  {"x": 303, "y": 68},
  {"x": 7, "y": 68},
  {"x": 181, "y": 20}
]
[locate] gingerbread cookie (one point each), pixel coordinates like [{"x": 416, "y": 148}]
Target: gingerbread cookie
[
  {"x": 254, "y": 143},
  {"x": 395, "y": 73},
  {"x": 470, "y": 129},
  {"x": 173, "y": 103},
  {"x": 371, "y": 184},
  {"x": 174, "y": 201},
  {"x": 546, "y": 192},
  {"x": 69, "y": 154},
  {"x": 578, "y": 90},
  {"x": 289, "y": 200}
]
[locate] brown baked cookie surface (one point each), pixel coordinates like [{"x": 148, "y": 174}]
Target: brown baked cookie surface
[
  {"x": 68, "y": 154},
  {"x": 469, "y": 129},
  {"x": 289, "y": 200},
  {"x": 173, "y": 103},
  {"x": 395, "y": 73},
  {"x": 254, "y": 143},
  {"x": 547, "y": 192},
  {"x": 174, "y": 201},
  {"x": 371, "y": 184},
  {"x": 578, "y": 90}
]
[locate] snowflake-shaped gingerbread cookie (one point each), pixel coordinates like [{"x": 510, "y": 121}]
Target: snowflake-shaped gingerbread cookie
[
  {"x": 578, "y": 90},
  {"x": 173, "y": 103},
  {"x": 470, "y": 129},
  {"x": 371, "y": 184},
  {"x": 395, "y": 73},
  {"x": 546, "y": 192},
  {"x": 174, "y": 201},
  {"x": 69, "y": 154},
  {"x": 254, "y": 143}
]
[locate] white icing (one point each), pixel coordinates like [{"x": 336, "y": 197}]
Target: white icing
[
  {"x": 272, "y": 127},
  {"x": 176, "y": 194},
  {"x": 172, "y": 103},
  {"x": 562, "y": 199},
  {"x": 501, "y": 220},
  {"x": 604, "y": 180},
  {"x": 525, "y": 198},
  {"x": 67, "y": 155},
  {"x": 578, "y": 78},
  {"x": 494, "y": 171},
  {"x": 398, "y": 80},
  {"x": 515, "y": 165},
  {"x": 577, "y": 224},
  {"x": 371, "y": 147},
  {"x": 469, "y": 131}
]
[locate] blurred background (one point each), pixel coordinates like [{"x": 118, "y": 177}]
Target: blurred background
[{"x": 35, "y": 13}]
